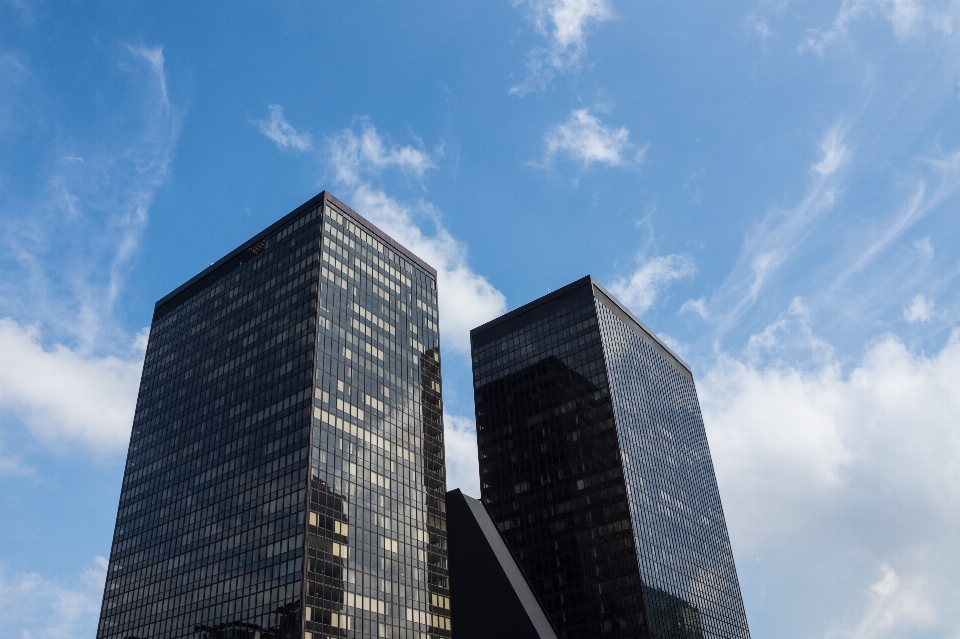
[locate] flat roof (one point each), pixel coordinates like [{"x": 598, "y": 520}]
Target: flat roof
[
  {"x": 505, "y": 322},
  {"x": 236, "y": 257}
]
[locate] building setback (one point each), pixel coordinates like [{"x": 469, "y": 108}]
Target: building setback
[
  {"x": 285, "y": 476},
  {"x": 595, "y": 467}
]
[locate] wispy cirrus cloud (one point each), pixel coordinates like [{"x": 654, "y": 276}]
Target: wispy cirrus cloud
[
  {"x": 65, "y": 263},
  {"x": 906, "y": 17},
  {"x": 585, "y": 139},
  {"x": 640, "y": 290},
  {"x": 282, "y": 132},
  {"x": 780, "y": 233},
  {"x": 565, "y": 24}
]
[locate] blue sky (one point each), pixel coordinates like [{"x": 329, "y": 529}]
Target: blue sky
[{"x": 771, "y": 186}]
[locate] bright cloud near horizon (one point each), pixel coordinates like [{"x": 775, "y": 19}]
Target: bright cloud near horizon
[{"x": 770, "y": 186}]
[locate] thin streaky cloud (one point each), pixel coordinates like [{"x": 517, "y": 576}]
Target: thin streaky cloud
[
  {"x": 149, "y": 161},
  {"x": 779, "y": 234},
  {"x": 918, "y": 205},
  {"x": 282, "y": 132},
  {"x": 154, "y": 55},
  {"x": 906, "y": 17}
]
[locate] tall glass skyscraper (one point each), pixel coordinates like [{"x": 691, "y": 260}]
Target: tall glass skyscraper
[
  {"x": 594, "y": 465},
  {"x": 285, "y": 476}
]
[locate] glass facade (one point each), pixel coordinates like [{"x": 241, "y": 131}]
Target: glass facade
[
  {"x": 595, "y": 466},
  {"x": 285, "y": 476}
]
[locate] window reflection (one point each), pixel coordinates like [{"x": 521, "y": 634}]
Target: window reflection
[
  {"x": 595, "y": 466},
  {"x": 285, "y": 474}
]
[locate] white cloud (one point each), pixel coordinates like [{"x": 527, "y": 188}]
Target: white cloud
[
  {"x": 698, "y": 306},
  {"x": 34, "y": 607},
  {"x": 14, "y": 467},
  {"x": 65, "y": 397},
  {"x": 919, "y": 310},
  {"x": 463, "y": 466},
  {"x": 466, "y": 298},
  {"x": 280, "y": 131},
  {"x": 154, "y": 55},
  {"x": 894, "y": 607},
  {"x": 585, "y": 139},
  {"x": 639, "y": 290},
  {"x": 353, "y": 155},
  {"x": 68, "y": 372},
  {"x": 835, "y": 153},
  {"x": 565, "y": 24},
  {"x": 906, "y": 17},
  {"x": 821, "y": 470}
]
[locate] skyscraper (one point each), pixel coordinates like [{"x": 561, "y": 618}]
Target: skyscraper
[
  {"x": 285, "y": 476},
  {"x": 595, "y": 467}
]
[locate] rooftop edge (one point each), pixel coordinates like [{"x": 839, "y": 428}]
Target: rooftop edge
[
  {"x": 230, "y": 261},
  {"x": 597, "y": 287}
]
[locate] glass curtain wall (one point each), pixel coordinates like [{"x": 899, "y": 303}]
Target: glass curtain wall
[
  {"x": 285, "y": 476},
  {"x": 210, "y": 528},
  {"x": 376, "y": 544},
  {"x": 690, "y": 581},
  {"x": 595, "y": 466}
]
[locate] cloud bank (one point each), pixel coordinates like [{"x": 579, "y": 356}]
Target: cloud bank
[{"x": 832, "y": 475}]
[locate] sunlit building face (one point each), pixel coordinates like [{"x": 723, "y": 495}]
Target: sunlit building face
[{"x": 285, "y": 476}]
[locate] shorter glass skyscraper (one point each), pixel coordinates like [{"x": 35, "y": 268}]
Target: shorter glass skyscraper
[{"x": 595, "y": 467}]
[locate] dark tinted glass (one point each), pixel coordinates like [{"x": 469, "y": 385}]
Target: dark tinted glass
[
  {"x": 594, "y": 464},
  {"x": 209, "y": 532},
  {"x": 550, "y": 473},
  {"x": 690, "y": 581}
]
